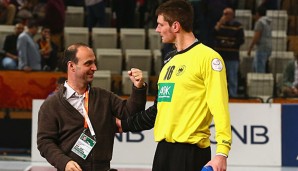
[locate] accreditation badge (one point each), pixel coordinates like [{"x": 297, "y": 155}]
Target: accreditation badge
[{"x": 83, "y": 146}]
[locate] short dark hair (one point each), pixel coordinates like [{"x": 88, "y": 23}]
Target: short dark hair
[
  {"x": 70, "y": 54},
  {"x": 261, "y": 10},
  {"x": 177, "y": 10},
  {"x": 45, "y": 27},
  {"x": 32, "y": 23}
]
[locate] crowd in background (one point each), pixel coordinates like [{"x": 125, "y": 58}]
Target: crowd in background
[{"x": 44, "y": 53}]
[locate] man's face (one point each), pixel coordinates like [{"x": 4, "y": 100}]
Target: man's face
[
  {"x": 86, "y": 65},
  {"x": 19, "y": 29},
  {"x": 257, "y": 16},
  {"x": 34, "y": 30},
  {"x": 165, "y": 30},
  {"x": 228, "y": 14},
  {"x": 45, "y": 33}
]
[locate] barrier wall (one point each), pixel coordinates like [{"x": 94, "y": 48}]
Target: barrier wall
[
  {"x": 257, "y": 137},
  {"x": 18, "y": 88},
  {"x": 289, "y": 135}
]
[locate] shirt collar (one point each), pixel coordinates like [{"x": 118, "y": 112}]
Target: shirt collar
[{"x": 69, "y": 91}]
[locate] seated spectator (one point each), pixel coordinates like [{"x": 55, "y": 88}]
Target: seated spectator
[
  {"x": 29, "y": 56},
  {"x": 290, "y": 79},
  {"x": 7, "y": 12},
  {"x": 25, "y": 10},
  {"x": 48, "y": 50},
  {"x": 10, "y": 60}
]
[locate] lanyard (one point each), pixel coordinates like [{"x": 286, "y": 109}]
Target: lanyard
[{"x": 87, "y": 122}]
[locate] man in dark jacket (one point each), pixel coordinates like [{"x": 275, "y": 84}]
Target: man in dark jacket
[
  {"x": 76, "y": 126},
  {"x": 10, "y": 60},
  {"x": 229, "y": 36}
]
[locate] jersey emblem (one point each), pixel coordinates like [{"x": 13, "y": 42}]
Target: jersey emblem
[
  {"x": 181, "y": 70},
  {"x": 216, "y": 64},
  {"x": 165, "y": 92}
]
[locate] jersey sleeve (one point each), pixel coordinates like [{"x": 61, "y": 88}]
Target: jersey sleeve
[{"x": 217, "y": 100}]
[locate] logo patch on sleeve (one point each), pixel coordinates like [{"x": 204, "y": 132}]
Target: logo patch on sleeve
[{"x": 216, "y": 64}]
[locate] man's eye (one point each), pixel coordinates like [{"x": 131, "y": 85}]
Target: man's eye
[{"x": 89, "y": 63}]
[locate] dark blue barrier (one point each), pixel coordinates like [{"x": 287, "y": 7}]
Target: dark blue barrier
[{"x": 289, "y": 135}]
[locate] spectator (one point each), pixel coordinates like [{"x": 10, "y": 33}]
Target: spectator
[
  {"x": 262, "y": 39},
  {"x": 38, "y": 10},
  {"x": 290, "y": 79},
  {"x": 141, "y": 7},
  {"x": 210, "y": 13},
  {"x": 124, "y": 13},
  {"x": 229, "y": 36},
  {"x": 150, "y": 18},
  {"x": 54, "y": 19},
  {"x": 10, "y": 60},
  {"x": 95, "y": 13},
  {"x": 25, "y": 10},
  {"x": 48, "y": 50},
  {"x": 7, "y": 12},
  {"x": 29, "y": 55}
]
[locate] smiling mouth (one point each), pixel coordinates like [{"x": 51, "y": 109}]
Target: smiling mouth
[{"x": 91, "y": 75}]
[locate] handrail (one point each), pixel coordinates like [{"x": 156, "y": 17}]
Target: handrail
[{"x": 246, "y": 100}]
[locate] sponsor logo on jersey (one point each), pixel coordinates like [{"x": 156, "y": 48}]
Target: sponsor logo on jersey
[{"x": 165, "y": 92}]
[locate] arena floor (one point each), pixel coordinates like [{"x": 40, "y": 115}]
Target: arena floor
[{"x": 24, "y": 164}]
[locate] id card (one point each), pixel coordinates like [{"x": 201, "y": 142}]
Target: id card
[{"x": 83, "y": 146}]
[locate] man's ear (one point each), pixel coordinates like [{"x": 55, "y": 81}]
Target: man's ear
[
  {"x": 176, "y": 26},
  {"x": 70, "y": 65}
]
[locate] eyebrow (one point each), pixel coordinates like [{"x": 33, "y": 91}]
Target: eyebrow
[{"x": 90, "y": 61}]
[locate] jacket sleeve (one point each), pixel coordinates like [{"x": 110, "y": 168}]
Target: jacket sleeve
[
  {"x": 140, "y": 121},
  {"x": 47, "y": 139},
  {"x": 136, "y": 102},
  {"x": 145, "y": 119},
  {"x": 240, "y": 36}
]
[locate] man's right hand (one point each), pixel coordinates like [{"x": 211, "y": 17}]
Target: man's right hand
[
  {"x": 136, "y": 76},
  {"x": 72, "y": 166}
]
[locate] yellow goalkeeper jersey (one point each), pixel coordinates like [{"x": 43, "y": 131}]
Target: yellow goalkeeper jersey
[{"x": 192, "y": 90}]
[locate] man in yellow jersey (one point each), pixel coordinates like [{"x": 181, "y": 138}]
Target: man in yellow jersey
[{"x": 192, "y": 90}]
